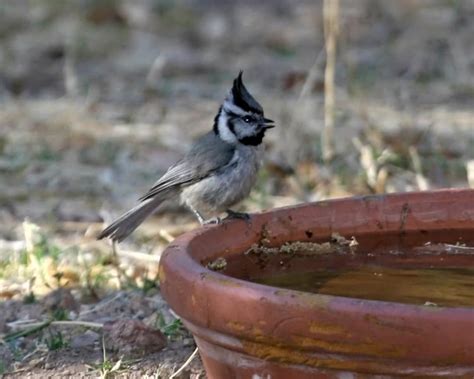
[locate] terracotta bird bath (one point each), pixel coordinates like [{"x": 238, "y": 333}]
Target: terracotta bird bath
[{"x": 212, "y": 278}]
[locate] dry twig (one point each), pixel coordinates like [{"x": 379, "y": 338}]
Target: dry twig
[{"x": 185, "y": 364}]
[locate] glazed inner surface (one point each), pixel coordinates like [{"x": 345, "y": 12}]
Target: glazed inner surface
[{"x": 423, "y": 267}]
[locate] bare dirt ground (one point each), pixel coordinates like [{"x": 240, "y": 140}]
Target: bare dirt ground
[{"x": 98, "y": 98}]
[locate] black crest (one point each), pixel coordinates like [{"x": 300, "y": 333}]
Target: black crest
[{"x": 243, "y": 99}]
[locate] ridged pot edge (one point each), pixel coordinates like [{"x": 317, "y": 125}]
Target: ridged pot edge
[{"x": 252, "y": 313}]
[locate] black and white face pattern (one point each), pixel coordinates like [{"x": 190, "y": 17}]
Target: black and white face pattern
[{"x": 240, "y": 118}]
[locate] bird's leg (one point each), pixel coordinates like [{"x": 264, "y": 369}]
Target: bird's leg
[
  {"x": 197, "y": 214},
  {"x": 202, "y": 221},
  {"x": 239, "y": 215}
]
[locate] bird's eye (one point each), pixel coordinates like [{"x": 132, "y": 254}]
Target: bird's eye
[{"x": 247, "y": 119}]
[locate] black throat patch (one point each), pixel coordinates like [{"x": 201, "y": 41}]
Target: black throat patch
[{"x": 254, "y": 140}]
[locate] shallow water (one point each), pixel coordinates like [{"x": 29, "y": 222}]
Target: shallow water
[
  {"x": 437, "y": 287},
  {"x": 438, "y": 274}
]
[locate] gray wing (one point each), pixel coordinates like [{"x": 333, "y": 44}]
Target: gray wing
[{"x": 208, "y": 154}]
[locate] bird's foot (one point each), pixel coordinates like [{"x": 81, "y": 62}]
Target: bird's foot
[
  {"x": 237, "y": 215},
  {"x": 211, "y": 221}
]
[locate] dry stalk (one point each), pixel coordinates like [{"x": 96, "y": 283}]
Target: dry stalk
[
  {"x": 138, "y": 256},
  {"x": 166, "y": 235},
  {"x": 421, "y": 180},
  {"x": 86, "y": 324},
  {"x": 470, "y": 172},
  {"x": 116, "y": 263},
  {"x": 311, "y": 79},
  {"x": 375, "y": 176},
  {"x": 100, "y": 305},
  {"x": 331, "y": 31},
  {"x": 71, "y": 81}
]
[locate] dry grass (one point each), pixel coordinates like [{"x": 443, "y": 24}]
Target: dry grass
[{"x": 99, "y": 98}]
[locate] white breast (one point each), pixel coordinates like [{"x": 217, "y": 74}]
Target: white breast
[{"x": 227, "y": 186}]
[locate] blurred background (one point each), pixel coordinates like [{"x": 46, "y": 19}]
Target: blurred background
[{"x": 99, "y": 97}]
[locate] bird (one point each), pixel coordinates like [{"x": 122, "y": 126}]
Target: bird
[{"x": 217, "y": 172}]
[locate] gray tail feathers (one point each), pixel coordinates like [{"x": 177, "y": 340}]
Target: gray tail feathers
[{"x": 128, "y": 222}]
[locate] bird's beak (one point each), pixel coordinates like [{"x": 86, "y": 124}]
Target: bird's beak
[{"x": 268, "y": 121}]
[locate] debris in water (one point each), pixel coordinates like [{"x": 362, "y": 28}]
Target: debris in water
[
  {"x": 337, "y": 244},
  {"x": 217, "y": 265}
]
